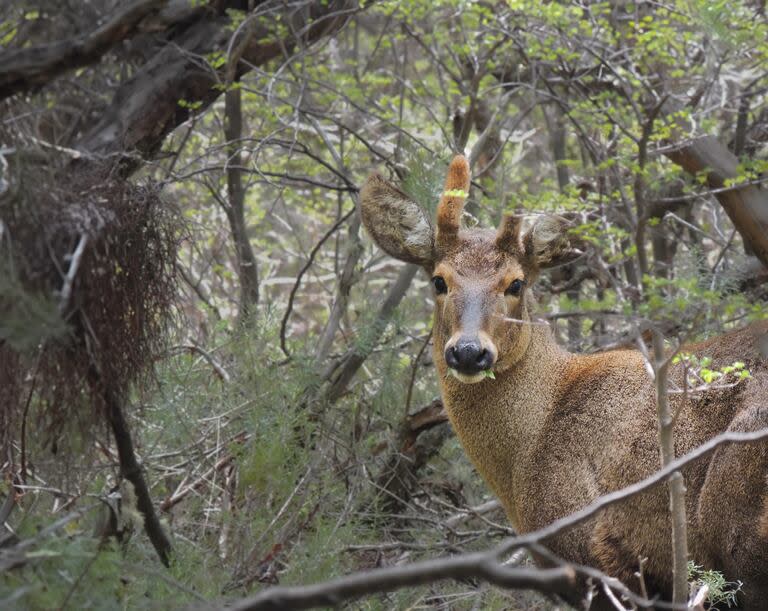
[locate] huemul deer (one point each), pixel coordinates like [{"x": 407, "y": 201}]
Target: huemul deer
[{"x": 551, "y": 430}]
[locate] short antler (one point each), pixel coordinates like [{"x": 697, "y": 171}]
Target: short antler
[{"x": 452, "y": 202}]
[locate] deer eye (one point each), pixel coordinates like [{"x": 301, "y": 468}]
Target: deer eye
[
  {"x": 440, "y": 286},
  {"x": 515, "y": 287}
]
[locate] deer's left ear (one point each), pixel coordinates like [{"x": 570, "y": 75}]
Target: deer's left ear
[
  {"x": 395, "y": 222},
  {"x": 548, "y": 244}
]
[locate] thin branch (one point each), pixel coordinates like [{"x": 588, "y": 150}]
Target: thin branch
[
  {"x": 218, "y": 368},
  {"x": 69, "y": 279},
  {"x": 300, "y": 275},
  {"x": 620, "y": 495}
]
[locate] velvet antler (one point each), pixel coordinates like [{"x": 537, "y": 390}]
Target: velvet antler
[{"x": 452, "y": 201}]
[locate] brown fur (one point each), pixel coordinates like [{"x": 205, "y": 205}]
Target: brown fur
[
  {"x": 764, "y": 519},
  {"x": 556, "y": 430}
]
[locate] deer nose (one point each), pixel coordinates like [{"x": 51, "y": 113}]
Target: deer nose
[{"x": 468, "y": 356}]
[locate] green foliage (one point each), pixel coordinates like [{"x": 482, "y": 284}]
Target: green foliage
[
  {"x": 700, "y": 369},
  {"x": 424, "y": 180},
  {"x": 74, "y": 570},
  {"x": 721, "y": 592}
]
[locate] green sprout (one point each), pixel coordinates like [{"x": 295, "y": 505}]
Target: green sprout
[{"x": 720, "y": 590}]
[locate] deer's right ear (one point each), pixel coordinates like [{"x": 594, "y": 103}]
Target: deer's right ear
[{"x": 395, "y": 222}]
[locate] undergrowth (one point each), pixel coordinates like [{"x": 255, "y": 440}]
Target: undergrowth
[{"x": 273, "y": 494}]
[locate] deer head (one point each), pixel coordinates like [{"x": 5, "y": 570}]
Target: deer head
[{"x": 481, "y": 278}]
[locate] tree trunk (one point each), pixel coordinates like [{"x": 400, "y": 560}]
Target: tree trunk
[
  {"x": 175, "y": 82},
  {"x": 130, "y": 468},
  {"x": 247, "y": 270},
  {"x": 746, "y": 206}
]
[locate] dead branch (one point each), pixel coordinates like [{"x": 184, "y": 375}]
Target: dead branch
[
  {"x": 746, "y": 206},
  {"x": 218, "y": 368},
  {"x": 130, "y": 468},
  {"x": 29, "y": 68},
  {"x": 466, "y": 566},
  {"x": 413, "y": 449}
]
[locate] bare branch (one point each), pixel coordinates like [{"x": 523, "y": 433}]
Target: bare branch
[
  {"x": 620, "y": 495},
  {"x": 34, "y": 67},
  {"x": 393, "y": 578}
]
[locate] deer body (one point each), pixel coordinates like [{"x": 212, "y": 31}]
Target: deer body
[
  {"x": 548, "y": 445},
  {"x": 554, "y": 430}
]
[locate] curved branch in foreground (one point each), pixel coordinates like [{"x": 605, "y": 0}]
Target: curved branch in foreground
[
  {"x": 557, "y": 580},
  {"x": 619, "y": 495},
  {"x": 484, "y": 565}
]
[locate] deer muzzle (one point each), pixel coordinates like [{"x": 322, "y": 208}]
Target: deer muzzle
[{"x": 469, "y": 357}]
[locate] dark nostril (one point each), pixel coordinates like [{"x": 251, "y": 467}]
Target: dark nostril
[
  {"x": 485, "y": 360},
  {"x": 481, "y": 356},
  {"x": 452, "y": 357}
]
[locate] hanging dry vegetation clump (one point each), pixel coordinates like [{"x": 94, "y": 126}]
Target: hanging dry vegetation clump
[{"x": 87, "y": 281}]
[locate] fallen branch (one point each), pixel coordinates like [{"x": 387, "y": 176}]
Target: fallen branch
[{"x": 746, "y": 206}]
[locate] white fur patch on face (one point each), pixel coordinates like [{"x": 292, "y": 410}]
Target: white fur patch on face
[{"x": 473, "y": 379}]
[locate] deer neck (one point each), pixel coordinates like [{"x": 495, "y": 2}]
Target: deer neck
[{"x": 498, "y": 421}]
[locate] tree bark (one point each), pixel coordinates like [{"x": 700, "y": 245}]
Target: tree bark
[
  {"x": 130, "y": 468},
  {"x": 746, "y": 206},
  {"x": 176, "y": 81},
  {"x": 31, "y": 68},
  {"x": 248, "y": 273}
]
